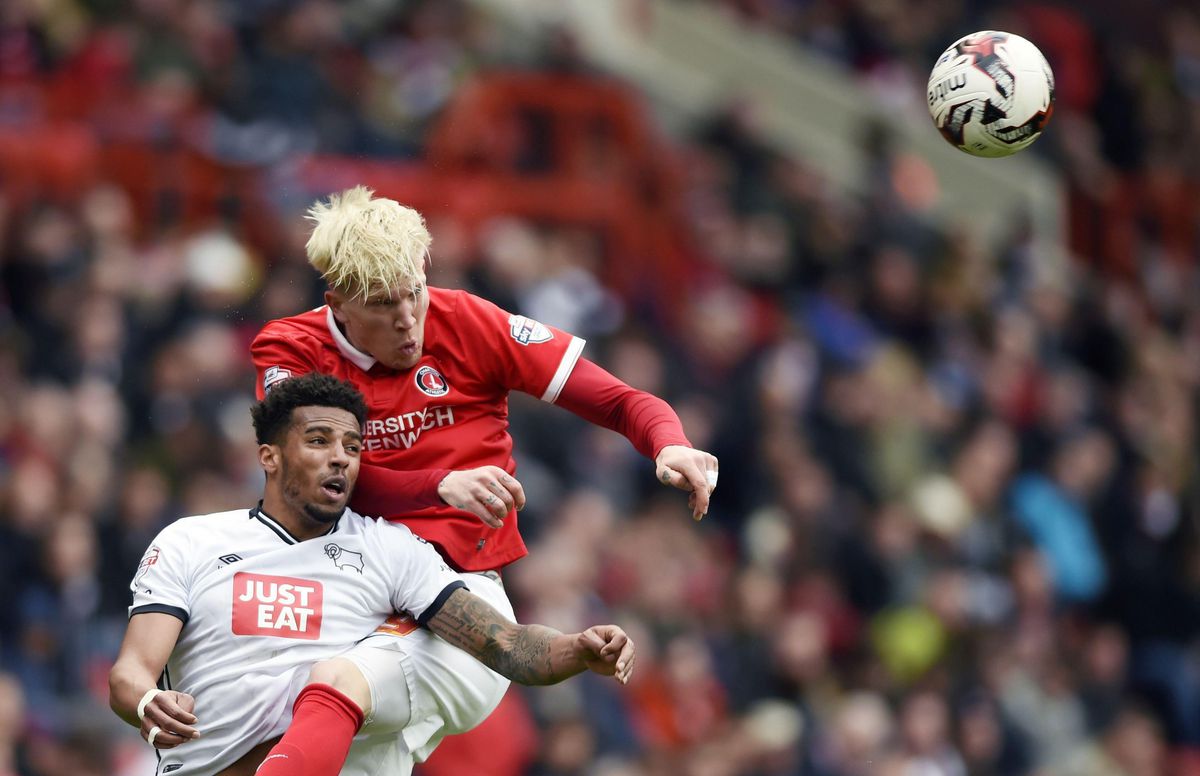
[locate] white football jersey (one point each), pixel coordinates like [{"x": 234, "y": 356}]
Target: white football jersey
[{"x": 259, "y": 608}]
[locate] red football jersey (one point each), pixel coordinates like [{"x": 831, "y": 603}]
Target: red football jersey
[{"x": 450, "y": 411}]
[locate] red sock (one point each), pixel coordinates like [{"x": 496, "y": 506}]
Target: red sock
[{"x": 324, "y": 722}]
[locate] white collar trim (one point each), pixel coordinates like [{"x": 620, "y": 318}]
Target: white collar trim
[{"x": 356, "y": 356}]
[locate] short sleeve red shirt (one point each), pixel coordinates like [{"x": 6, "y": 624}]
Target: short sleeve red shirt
[{"x": 449, "y": 411}]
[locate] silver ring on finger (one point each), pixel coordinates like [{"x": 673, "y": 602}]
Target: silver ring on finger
[{"x": 154, "y": 731}]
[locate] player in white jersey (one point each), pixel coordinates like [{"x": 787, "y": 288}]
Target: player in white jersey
[{"x": 231, "y": 610}]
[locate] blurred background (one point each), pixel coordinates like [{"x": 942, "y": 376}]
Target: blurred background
[{"x": 954, "y": 400}]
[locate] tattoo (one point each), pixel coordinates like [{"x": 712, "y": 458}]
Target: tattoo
[
  {"x": 666, "y": 477},
  {"x": 523, "y": 653}
]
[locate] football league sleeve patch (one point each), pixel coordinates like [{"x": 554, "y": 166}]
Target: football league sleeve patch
[{"x": 159, "y": 584}]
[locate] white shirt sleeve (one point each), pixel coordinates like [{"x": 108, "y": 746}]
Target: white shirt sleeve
[
  {"x": 161, "y": 581},
  {"x": 419, "y": 577}
]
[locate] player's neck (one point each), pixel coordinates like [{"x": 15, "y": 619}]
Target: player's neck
[{"x": 294, "y": 521}]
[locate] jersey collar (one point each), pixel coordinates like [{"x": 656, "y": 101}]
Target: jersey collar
[
  {"x": 256, "y": 513},
  {"x": 353, "y": 354}
]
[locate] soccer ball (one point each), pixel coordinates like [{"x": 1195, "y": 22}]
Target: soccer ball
[{"x": 991, "y": 93}]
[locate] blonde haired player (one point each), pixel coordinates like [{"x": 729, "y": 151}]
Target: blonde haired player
[{"x": 436, "y": 366}]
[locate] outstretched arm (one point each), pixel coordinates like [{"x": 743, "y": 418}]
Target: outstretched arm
[
  {"x": 530, "y": 654},
  {"x": 648, "y": 423}
]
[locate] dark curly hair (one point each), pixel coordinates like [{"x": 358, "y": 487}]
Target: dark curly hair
[{"x": 273, "y": 414}]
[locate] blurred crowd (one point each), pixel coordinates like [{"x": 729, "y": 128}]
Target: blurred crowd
[
  {"x": 956, "y": 527},
  {"x": 1127, "y": 88}
]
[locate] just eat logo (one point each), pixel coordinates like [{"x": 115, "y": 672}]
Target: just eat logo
[{"x": 287, "y": 607}]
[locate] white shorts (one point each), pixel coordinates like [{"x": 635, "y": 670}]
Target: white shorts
[{"x": 422, "y": 689}]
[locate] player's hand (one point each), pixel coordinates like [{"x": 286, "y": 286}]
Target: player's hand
[
  {"x": 171, "y": 713},
  {"x": 688, "y": 469},
  {"x": 606, "y": 650},
  {"x": 488, "y": 492}
]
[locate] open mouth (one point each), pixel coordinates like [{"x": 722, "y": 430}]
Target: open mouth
[{"x": 334, "y": 487}]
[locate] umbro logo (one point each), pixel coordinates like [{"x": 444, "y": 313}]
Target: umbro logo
[{"x": 230, "y": 558}]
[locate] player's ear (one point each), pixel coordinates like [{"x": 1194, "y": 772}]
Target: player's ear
[
  {"x": 335, "y": 299},
  {"x": 268, "y": 458}
]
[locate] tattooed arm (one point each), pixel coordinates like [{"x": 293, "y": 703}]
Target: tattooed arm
[{"x": 530, "y": 654}]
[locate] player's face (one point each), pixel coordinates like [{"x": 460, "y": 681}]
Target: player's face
[
  {"x": 388, "y": 326},
  {"x": 318, "y": 464}
]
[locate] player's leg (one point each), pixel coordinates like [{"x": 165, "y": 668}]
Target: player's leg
[
  {"x": 448, "y": 690},
  {"x": 327, "y": 714},
  {"x": 409, "y": 686}
]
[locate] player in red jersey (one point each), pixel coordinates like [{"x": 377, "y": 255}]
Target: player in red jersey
[{"x": 436, "y": 367}]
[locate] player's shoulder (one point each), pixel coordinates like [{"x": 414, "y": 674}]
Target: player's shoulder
[
  {"x": 307, "y": 325},
  {"x": 195, "y": 530},
  {"x": 376, "y": 528},
  {"x": 449, "y": 300}
]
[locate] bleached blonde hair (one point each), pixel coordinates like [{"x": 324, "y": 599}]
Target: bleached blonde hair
[{"x": 360, "y": 243}]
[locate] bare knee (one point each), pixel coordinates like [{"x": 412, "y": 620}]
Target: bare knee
[{"x": 344, "y": 677}]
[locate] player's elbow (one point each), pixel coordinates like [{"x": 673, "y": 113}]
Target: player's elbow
[{"x": 115, "y": 682}]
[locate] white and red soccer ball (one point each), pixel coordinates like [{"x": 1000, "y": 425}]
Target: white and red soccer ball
[{"x": 991, "y": 93}]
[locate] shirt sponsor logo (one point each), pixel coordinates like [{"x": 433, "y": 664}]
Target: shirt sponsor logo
[
  {"x": 344, "y": 559},
  {"x": 401, "y": 432},
  {"x": 526, "y": 330},
  {"x": 286, "y": 607},
  {"x": 274, "y": 375},
  {"x": 431, "y": 382}
]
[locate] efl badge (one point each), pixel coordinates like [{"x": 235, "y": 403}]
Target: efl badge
[
  {"x": 431, "y": 382},
  {"x": 273, "y": 375},
  {"x": 526, "y": 330},
  {"x": 148, "y": 560}
]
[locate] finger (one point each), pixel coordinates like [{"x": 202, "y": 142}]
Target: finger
[
  {"x": 515, "y": 488},
  {"x": 175, "y": 710},
  {"x": 700, "y": 491},
  {"x": 501, "y": 493},
  {"x": 494, "y": 505},
  {"x": 668, "y": 476},
  {"x": 698, "y": 502},
  {"x": 168, "y": 724},
  {"x": 616, "y": 643},
  {"x": 185, "y": 701},
  {"x": 476, "y": 507},
  {"x": 625, "y": 667},
  {"x": 465, "y": 501},
  {"x": 159, "y": 738},
  {"x": 593, "y": 641}
]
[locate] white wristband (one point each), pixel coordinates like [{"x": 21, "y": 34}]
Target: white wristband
[{"x": 149, "y": 696}]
